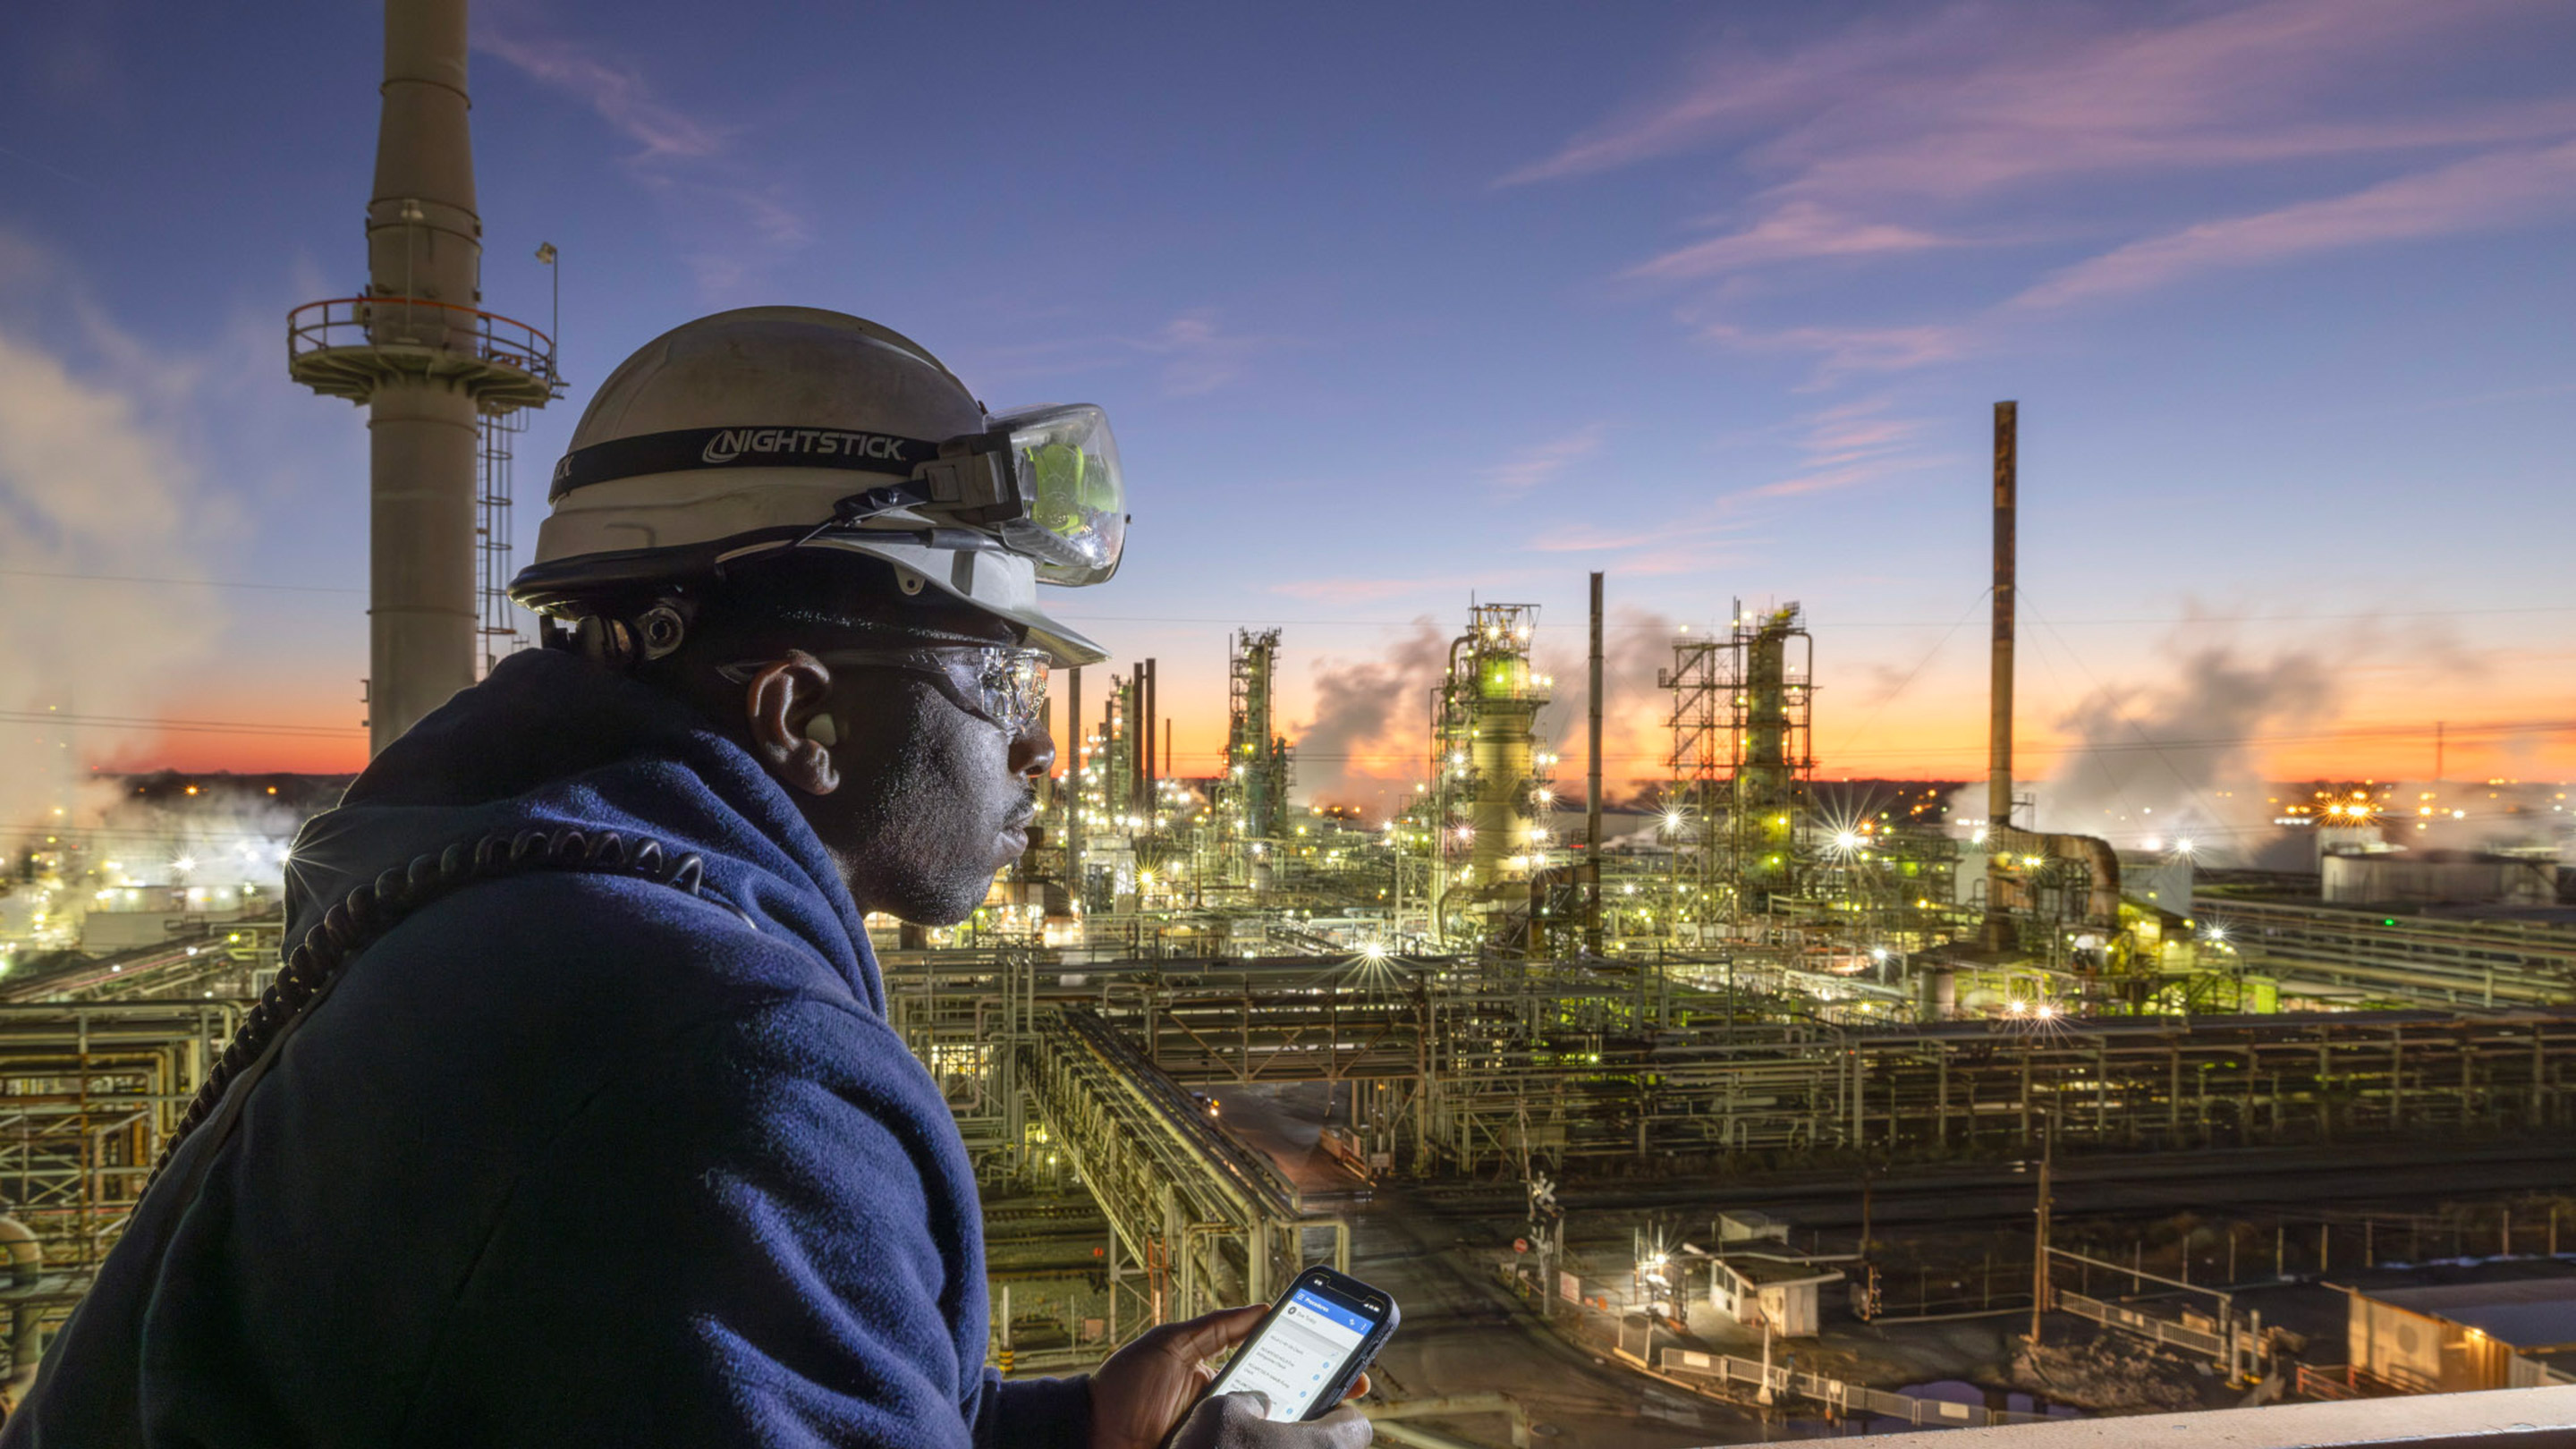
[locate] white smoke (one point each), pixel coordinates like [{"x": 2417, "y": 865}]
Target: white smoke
[
  {"x": 1636, "y": 719},
  {"x": 99, "y": 494},
  {"x": 1368, "y": 740},
  {"x": 2158, "y": 767}
]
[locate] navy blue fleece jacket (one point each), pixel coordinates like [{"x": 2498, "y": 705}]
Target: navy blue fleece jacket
[{"x": 564, "y": 1158}]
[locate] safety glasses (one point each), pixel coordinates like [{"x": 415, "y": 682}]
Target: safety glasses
[{"x": 1003, "y": 686}]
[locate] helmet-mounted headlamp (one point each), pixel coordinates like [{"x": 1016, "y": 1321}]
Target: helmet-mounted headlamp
[{"x": 1039, "y": 482}]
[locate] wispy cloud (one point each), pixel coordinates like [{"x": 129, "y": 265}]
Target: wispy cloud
[
  {"x": 1590, "y": 538},
  {"x": 1843, "y": 350},
  {"x": 1845, "y": 447},
  {"x": 618, "y": 93},
  {"x": 1798, "y": 229},
  {"x": 1366, "y": 590},
  {"x": 1935, "y": 129},
  {"x": 1546, "y": 462},
  {"x": 1200, "y": 356},
  {"x": 1976, "y": 97},
  {"x": 1197, "y": 354},
  {"x": 734, "y": 216},
  {"x": 2477, "y": 194}
]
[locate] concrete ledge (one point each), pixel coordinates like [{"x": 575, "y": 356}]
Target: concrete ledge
[{"x": 2503, "y": 1419}]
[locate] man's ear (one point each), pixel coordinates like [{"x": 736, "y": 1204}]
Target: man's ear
[{"x": 783, "y": 708}]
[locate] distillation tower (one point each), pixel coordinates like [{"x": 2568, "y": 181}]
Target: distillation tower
[
  {"x": 1770, "y": 666},
  {"x": 1254, "y": 792},
  {"x": 417, "y": 350},
  {"x": 1490, "y": 767}
]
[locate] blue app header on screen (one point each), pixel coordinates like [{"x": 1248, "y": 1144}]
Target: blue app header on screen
[{"x": 1314, "y": 1303}]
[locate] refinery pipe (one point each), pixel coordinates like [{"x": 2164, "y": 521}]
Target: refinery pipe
[
  {"x": 26, "y": 1319},
  {"x": 2102, "y": 901}
]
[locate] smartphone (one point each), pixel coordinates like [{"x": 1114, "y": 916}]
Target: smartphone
[{"x": 1312, "y": 1345}]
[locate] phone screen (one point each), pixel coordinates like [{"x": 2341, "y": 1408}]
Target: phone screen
[{"x": 1299, "y": 1356}]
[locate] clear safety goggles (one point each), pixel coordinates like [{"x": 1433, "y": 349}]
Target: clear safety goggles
[
  {"x": 1046, "y": 481},
  {"x": 1000, "y": 684}
]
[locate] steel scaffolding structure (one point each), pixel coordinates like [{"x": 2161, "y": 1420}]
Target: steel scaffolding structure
[
  {"x": 1699, "y": 762},
  {"x": 89, "y": 1091},
  {"x": 1467, "y": 1065}
]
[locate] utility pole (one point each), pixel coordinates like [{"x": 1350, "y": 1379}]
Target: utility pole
[
  {"x": 1865, "y": 1185},
  {"x": 2039, "y": 1251}
]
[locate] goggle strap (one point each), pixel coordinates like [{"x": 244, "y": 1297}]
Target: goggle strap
[{"x": 689, "y": 450}]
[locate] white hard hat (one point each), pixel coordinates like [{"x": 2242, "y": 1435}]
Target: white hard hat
[{"x": 753, "y": 433}]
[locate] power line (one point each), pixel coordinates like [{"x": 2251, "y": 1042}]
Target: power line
[
  {"x": 2353, "y": 733},
  {"x": 1366, "y": 623},
  {"x": 1829, "y": 626},
  {"x": 187, "y": 583},
  {"x": 2356, "y": 733},
  {"x": 189, "y": 726}
]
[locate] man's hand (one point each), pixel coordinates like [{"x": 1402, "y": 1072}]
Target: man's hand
[
  {"x": 1234, "y": 1421},
  {"x": 1145, "y": 1387}
]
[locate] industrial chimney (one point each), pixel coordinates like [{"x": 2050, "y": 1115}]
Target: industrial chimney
[
  {"x": 1999, "y": 677},
  {"x": 2004, "y": 888},
  {"x": 417, "y": 350}
]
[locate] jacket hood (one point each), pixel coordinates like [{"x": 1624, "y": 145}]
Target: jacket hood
[{"x": 552, "y": 741}]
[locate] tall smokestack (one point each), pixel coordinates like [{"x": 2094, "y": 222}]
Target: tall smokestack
[
  {"x": 1999, "y": 725},
  {"x": 1999, "y": 721},
  {"x": 427, "y": 361},
  {"x": 1592, "y": 793},
  {"x": 1069, "y": 798}
]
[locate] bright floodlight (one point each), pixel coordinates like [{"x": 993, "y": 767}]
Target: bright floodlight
[
  {"x": 2016, "y": 1007},
  {"x": 1847, "y": 841},
  {"x": 2182, "y": 847},
  {"x": 184, "y": 864},
  {"x": 1374, "y": 950},
  {"x": 1672, "y": 820},
  {"x": 2046, "y": 1011}
]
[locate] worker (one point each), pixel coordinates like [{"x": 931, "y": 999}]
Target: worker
[{"x": 576, "y": 1115}]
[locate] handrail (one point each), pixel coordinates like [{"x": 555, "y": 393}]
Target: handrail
[
  {"x": 2491, "y": 1419},
  {"x": 317, "y": 327}
]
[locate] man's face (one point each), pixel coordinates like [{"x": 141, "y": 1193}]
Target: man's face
[{"x": 932, "y": 799}]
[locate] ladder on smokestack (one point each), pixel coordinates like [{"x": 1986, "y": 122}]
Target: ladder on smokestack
[{"x": 496, "y": 441}]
